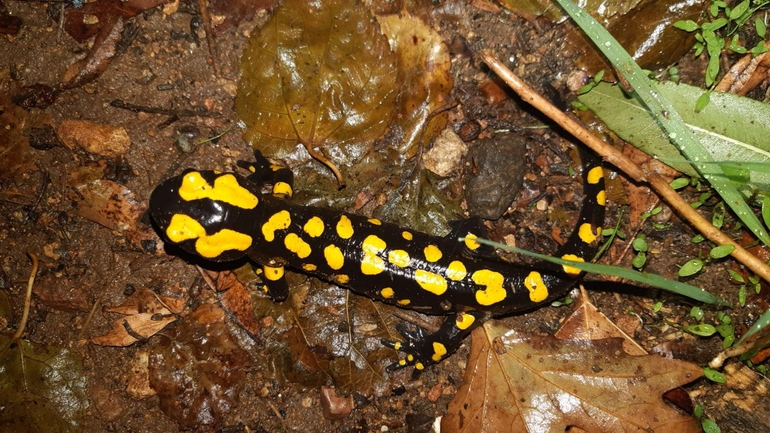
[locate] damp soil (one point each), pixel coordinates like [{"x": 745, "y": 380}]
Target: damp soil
[{"x": 85, "y": 266}]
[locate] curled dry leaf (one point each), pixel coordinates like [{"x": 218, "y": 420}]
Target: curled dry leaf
[
  {"x": 516, "y": 383},
  {"x": 145, "y": 313}
]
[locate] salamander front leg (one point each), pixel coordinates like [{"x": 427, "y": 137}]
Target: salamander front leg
[
  {"x": 423, "y": 350},
  {"x": 263, "y": 172}
]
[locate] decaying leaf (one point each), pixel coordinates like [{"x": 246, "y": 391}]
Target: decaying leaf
[
  {"x": 234, "y": 298},
  {"x": 516, "y": 383},
  {"x": 145, "y": 313},
  {"x": 198, "y": 372},
  {"x": 320, "y": 74},
  {"x": 16, "y": 155},
  {"x": 97, "y": 138},
  {"x": 42, "y": 389},
  {"x": 588, "y": 323},
  {"x": 423, "y": 74},
  {"x": 110, "y": 204}
]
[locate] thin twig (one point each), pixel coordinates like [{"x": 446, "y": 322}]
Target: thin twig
[
  {"x": 622, "y": 162},
  {"x": 27, "y": 298}
]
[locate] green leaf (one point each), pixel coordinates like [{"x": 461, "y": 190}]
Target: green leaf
[
  {"x": 740, "y": 9},
  {"x": 701, "y": 329},
  {"x": 710, "y": 426},
  {"x": 692, "y": 267},
  {"x": 759, "y": 25},
  {"x": 714, "y": 375},
  {"x": 696, "y": 313},
  {"x": 679, "y": 183},
  {"x": 721, "y": 251},
  {"x": 687, "y": 25},
  {"x": 639, "y": 244}
]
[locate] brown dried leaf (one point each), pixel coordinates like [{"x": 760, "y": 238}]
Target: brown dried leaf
[
  {"x": 128, "y": 330},
  {"x": 746, "y": 74},
  {"x": 543, "y": 384},
  {"x": 97, "y": 138},
  {"x": 588, "y": 323},
  {"x": 234, "y": 298}
]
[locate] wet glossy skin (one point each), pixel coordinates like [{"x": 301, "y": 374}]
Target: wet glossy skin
[{"x": 224, "y": 216}]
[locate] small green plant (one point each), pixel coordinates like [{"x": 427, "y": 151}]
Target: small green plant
[
  {"x": 721, "y": 32},
  {"x": 725, "y": 329},
  {"x": 707, "y": 425}
]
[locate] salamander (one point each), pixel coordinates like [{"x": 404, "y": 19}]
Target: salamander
[{"x": 226, "y": 216}]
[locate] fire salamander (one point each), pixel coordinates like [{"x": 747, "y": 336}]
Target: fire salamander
[{"x": 225, "y": 216}]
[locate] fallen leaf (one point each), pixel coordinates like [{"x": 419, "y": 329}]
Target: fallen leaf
[
  {"x": 42, "y": 388},
  {"x": 516, "y": 383},
  {"x": 110, "y": 204},
  {"x": 320, "y": 74},
  {"x": 145, "y": 313},
  {"x": 198, "y": 372},
  {"x": 97, "y": 138}
]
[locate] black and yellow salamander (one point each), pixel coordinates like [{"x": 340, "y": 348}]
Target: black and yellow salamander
[{"x": 225, "y": 216}]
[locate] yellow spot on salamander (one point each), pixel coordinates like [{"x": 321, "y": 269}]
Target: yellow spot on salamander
[
  {"x": 371, "y": 263},
  {"x": 431, "y": 282},
  {"x": 595, "y": 175},
  {"x": 601, "y": 198},
  {"x": 314, "y": 227},
  {"x": 538, "y": 292},
  {"x": 406, "y": 235},
  {"x": 432, "y": 253},
  {"x": 309, "y": 267},
  {"x": 344, "y": 227},
  {"x": 282, "y": 189},
  {"x": 279, "y": 221},
  {"x": 375, "y": 221},
  {"x": 586, "y": 233},
  {"x": 275, "y": 167},
  {"x": 493, "y": 281},
  {"x": 464, "y": 321},
  {"x": 182, "y": 228},
  {"x": 419, "y": 366},
  {"x": 470, "y": 242},
  {"x": 404, "y": 302},
  {"x": 439, "y": 350},
  {"x": 456, "y": 271},
  {"x": 342, "y": 278},
  {"x": 273, "y": 273},
  {"x": 571, "y": 270},
  {"x": 397, "y": 345},
  {"x": 334, "y": 257},
  {"x": 387, "y": 293},
  {"x": 296, "y": 245},
  {"x": 401, "y": 362},
  {"x": 226, "y": 189},
  {"x": 399, "y": 258}
]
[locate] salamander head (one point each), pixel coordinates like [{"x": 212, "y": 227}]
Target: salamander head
[{"x": 206, "y": 213}]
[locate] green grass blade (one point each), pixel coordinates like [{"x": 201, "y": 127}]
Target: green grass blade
[
  {"x": 667, "y": 117},
  {"x": 652, "y": 280}
]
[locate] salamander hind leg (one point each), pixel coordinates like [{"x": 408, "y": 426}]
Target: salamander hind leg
[{"x": 423, "y": 350}]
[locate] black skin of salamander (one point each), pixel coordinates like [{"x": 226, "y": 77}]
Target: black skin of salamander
[{"x": 458, "y": 301}]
